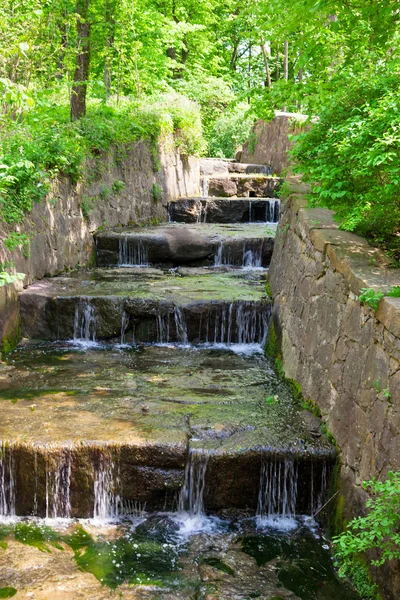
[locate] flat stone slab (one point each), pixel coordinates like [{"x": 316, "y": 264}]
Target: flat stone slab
[
  {"x": 210, "y": 166},
  {"x": 187, "y": 305},
  {"x": 175, "y": 244},
  {"x": 224, "y": 210},
  {"x": 141, "y": 409},
  {"x": 242, "y": 185}
]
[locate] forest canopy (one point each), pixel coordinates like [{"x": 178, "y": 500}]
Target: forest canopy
[{"x": 78, "y": 76}]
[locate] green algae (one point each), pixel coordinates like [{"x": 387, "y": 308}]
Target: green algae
[
  {"x": 303, "y": 567},
  {"x": 216, "y": 395},
  {"x": 7, "y": 592},
  {"x": 217, "y": 563},
  {"x": 152, "y": 555}
]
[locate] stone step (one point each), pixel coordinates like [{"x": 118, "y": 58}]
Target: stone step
[
  {"x": 241, "y": 185},
  {"x": 175, "y": 244},
  {"x": 93, "y": 433},
  {"x": 224, "y": 210},
  {"x": 148, "y": 305},
  {"x": 212, "y": 166}
]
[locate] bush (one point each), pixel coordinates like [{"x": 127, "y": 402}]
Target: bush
[
  {"x": 379, "y": 529},
  {"x": 229, "y": 131},
  {"x": 44, "y": 143},
  {"x": 352, "y": 157}
]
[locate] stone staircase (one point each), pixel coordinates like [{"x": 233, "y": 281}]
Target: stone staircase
[{"x": 152, "y": 355}]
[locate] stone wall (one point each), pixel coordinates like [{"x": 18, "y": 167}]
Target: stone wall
[
  {"x": 270, "y": 142},
  {"x": 345, "y": 356},
  {"x": 60, "y": 228}
]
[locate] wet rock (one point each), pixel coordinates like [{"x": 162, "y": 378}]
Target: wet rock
[{"x": 244, "y": 185}]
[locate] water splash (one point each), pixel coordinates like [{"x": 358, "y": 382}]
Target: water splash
[
  {"x": 278, "y": 489},
  {"x": 133, "y": 252},
  {"x": 7, "y": 479},
  {"x": 58, "y": 483},
  {"x": 84, "y": 321}
]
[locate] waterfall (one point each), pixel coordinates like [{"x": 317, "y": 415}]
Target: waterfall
[
  {"x": 176, "y": 318},
  {"x": 218, "y": 255},
  {"x": 236, "y": 323},
  {"x": 191, "y": 498},
  {"x": 133, "y": 252},
  {"x": 58, "y": 483},
  {"x": 250, "y": 257},
  {"x": 106, "y": 484},
  {"x": 85, "y": 321},
  {"x": 272, "y": 211},
  {"x": 204, "y": 187},
  {"x": 124, "y": 327},
  {"x": 317, "y": 499},
  {"x": 170, "y": 212},
  {"x": 252, "y": 254},
  {"x": 7, "y": 487},
  {"x": 278, "y": 489}
]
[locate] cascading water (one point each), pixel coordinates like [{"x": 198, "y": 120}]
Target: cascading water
[
  {"x": 7, "y": 478},
  {"x": 267, "y": 211},
  {"x": 250, "y": 257},
  {"x": 133, "y": 252},
  {"x": 191, "y": 498},
  {"x": 124, "y": 327},
  {"x": 58, "y": 483},
  {"x": 236, "y": 323},
  {"x": 106, "y": 485},
  {"x": 278, "y": 489},
  {"x": 172, "y": 326},
  {"x": 272, "y": 211},
  {"x": 84, "y": 321}
]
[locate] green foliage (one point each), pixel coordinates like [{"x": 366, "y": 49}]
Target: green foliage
[
  {"x": 118, "y": 186},
  {"x": 371, "y": 297},
  {"x": 394, "y": 292},
  {"x": 353, "y": 153},
  {"x": 16, "y": 240},
  {"x": 229, "y": 131},
  {"x": 7, "y": 592},
  {"x": 6, "y": 278},
  {"x": 379, "y": 529},
  {"x": 356, "y": 570},
  {"x": 271, "y": 400},
  {"x": 157, "y": 193},
  {"x": 87, "y": 204},
  {"x": 44, "y": 144}
]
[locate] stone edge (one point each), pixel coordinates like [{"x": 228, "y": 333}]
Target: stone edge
[{"x": 361, "y": 265}]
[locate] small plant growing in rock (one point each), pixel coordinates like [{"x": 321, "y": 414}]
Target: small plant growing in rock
[
  {"x": 271, "y": 400},
  {"x": 157, "y": 192},
  {"x": 6, "y": 278},
  {"x": 118, "y": 186},
  {"x": 394, "y": 292},
  {"x": 371, "y": 297}
]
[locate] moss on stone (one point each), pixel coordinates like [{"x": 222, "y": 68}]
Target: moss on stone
[{"x": 271, "y": 345}]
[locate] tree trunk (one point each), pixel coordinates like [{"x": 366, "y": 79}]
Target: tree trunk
[
  {"x": 286, "y": 62},
  {"x": 266, "y": 62},
  {"x": 109, "y": 17},
  {"x": 277, "y": 62},
  {"x": 79, "y": 88}
]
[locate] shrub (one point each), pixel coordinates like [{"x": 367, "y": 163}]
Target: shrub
[{"x": 352, "y": 157}]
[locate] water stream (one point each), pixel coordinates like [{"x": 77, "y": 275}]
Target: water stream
[{"x": 133, "y": 252}]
